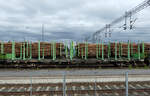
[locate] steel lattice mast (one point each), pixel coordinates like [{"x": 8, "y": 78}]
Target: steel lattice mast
[{"x": 129, "y": 13}]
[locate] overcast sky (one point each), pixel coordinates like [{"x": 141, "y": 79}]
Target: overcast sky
[{"x": 68, "y": 19}]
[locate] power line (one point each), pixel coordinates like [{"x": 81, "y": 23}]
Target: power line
[{"x": 127, "y": 14}]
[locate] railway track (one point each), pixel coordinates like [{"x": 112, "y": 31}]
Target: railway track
[
  {"x": 76, "y": 89},
  {"x": 75, "y": 63}
]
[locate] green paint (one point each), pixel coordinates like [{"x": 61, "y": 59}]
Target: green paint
[
  {"x": 54, "y": 51},
  {"x": 21, "y": 51},
  {"x": 82, "y": 53},
  {"x": 71, "y": 50},
  {"x": 116, "y": 51},
  {"x": 27, "y": 50},
  {"x": 139, "y": 55},
  {"x": 99, "y": 48},
  {"x": 39, "y": 55},
  {"x": 129, "y": 50},
  {"x": 143, "y": 47},
  {"x": 2, "y": 47},
  {"x": 13, "y": 50},
  {"x": 8, "y": 56},
  {"x": 31, "y": 50},
  {"x": 66, "y": 50},
  {"x": 102, "y": 51},
  {"x": 86, "y": 50},
  {"x": 24, "y": 55}
]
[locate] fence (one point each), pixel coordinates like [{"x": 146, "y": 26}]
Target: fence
[{"x": 97, "y": 83}]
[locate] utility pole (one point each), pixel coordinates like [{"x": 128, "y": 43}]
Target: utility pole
[
  {"x": 64, "y": 84},
  {"x": 126, "y": 78},
  {"x": 42, "y": 32}
]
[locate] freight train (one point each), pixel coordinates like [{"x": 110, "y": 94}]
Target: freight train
[{"x": 45, "y": 54}]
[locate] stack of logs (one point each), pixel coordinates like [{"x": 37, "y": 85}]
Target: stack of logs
[
  {"x": 94, "y": 49},
  {"x": 46, "y": 48}
]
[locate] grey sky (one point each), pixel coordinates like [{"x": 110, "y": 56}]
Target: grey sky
[{"x": 67, "y": 19}]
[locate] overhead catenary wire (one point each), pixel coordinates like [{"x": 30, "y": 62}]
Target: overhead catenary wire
[{"x": 127, "y": 14}]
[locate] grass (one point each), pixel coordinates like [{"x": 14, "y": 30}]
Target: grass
[{"x": 130, "y": 67}]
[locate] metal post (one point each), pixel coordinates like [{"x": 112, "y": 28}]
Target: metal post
[
  {"x": 64, "y": 85},
  {"x": 66, "y": 50},
  {"x": 78, "y": 49},
  {"x": 43, "y": 32},
  {"x": 128, "y": 50},
  {"x": 24, "y": 54},
  {"x": 2, "y": 47},
  {"x": 27, "y": 50},
  {"x": 39, "y": 57},
  {"x": 139, "y": 55},
  {"x": 31, "y": 50},
  {"x": 126, "y": 83},
  {"x": 115, "y": 50},
  {"x": 109, "y": 50},
  {"x": 86, "y": 51},
  {"x": 13, "y": 50},
  {"x": 31, "y": 85},
  {"x": 43, "y": 51},
  {"x": 143, "y": 47},
  {"x": 53, "y": 51},
  {"x": 82, "y": 53},
  {"x": 71, "y": 50},
  {"x": 99, "y": 50},
  {"x": 102, "y": 51},
  {"x": 21, "y": 51}
]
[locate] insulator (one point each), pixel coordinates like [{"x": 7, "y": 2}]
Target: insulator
[
  {"x": 106, "y": 35},
  {"x": 109, "y": 34},
  {"x": 124, "y": 27},
  {"x": 131, "y": 27}
]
